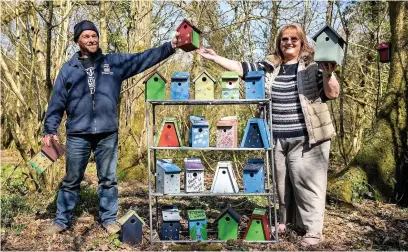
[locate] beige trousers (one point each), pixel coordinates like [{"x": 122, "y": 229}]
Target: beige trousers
[{"x": 301, "y": 174}]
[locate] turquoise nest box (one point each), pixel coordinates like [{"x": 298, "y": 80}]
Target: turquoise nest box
[{"x": 329, "y": 46}]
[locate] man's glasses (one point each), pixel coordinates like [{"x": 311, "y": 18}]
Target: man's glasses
[{"x": 293, "y": 39}]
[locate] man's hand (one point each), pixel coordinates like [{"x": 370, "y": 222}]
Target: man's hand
[
  {"x": 47, "y": 139},
  {"x": 207, "y": 53},
  {"x": 174, "y": 40}
]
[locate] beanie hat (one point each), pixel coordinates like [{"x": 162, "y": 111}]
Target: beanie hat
[{"x": 82, "y": 26}]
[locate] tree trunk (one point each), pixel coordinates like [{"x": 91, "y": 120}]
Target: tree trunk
[
  {"x": 49, "y": 27},
  {"x": 133, "y": 149},
  {"x": 102, "y": 23},
  {"x": 329, "y": 11},
  {"x": 274, "y": 27},
  {"x": 394, "y": 112},
  {"x": 383, "y": 157}
]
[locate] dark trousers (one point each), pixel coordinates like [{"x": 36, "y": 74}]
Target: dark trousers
[{"x": 78, "y": 151}]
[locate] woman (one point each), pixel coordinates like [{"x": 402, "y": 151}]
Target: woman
[{"x": 302, "y": 126}]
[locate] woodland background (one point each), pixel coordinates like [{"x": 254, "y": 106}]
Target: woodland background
[{"x": 369, "y": 156}]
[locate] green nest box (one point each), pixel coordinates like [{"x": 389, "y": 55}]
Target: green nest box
[
  {"x": 228, "y": 223},
  {"x": 230, "y": 86},
  {"x": 155, "y": 86}
]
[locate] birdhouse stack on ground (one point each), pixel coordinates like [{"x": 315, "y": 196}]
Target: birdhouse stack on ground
[
  {"x": 193, "y": 175},
  {"x": 227, "y": 132},
  {"x": 199, "y": 132},
  {"x": 228, "y": 224},
  {"x": 168, "y": 177},
  {"x": 155, "y": 86},
  {"x": 180, "y": 86},
  {"x": 169, "y": 134},
  {"x": 204, "y": 86},
  {"x": 258, "y": 227},
  {"x": 224, "y": 179},
  {"x": 47, "y": 156},
  {"x": 131, "y": 228},
  {"x": 197, "y": 224},
  {"x": 189, "y": 36},
  {"x": 257, "y": 134},
  {"x": 254, "y": 177},
  {"x": 384, "y": 52},
  {"x": 255, "y": 85},
  {"x": 170, "y": 229},
  {"x": 329, "y": 46},
  {"x": 230, "y": 86}
]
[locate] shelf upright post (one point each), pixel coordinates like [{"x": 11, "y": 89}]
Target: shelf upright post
[
  {"x": 269, "y": 160},
  {"x": 273, "y": 171},
  {"x": 154, "y": 164},
  {"x": 149, "y": 170}
]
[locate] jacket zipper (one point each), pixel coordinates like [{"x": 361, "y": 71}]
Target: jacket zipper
[
  {"x": 93, "y": 108},
  {"x": 92, "y": 95}
]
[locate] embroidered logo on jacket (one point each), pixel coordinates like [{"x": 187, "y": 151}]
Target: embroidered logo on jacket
[{"x": 106, "y": 69}]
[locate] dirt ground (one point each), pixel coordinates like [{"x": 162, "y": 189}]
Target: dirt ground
[{"x": 364, "y": 226}]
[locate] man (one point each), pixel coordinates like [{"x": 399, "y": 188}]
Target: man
[{"x": 87, "y": 89}]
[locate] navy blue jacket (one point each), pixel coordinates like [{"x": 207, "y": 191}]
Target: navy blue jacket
[{"x": 71, "y": 92}]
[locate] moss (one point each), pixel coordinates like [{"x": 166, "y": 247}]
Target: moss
[
  {"x": 196, "y": 247},
  {"x": 372, "y": 172},
  {"x": 137, "y": 172},
  {"x": 130, "y": 165},
  {"x": 350, "y": 186},
  {"x": 378, "y": 161}
]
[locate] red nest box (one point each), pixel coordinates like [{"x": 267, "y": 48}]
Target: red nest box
[
  {"x": 384, "y": 52},
  {"x": 189, "y": 37}
]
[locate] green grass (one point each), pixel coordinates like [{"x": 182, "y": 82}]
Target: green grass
[
  {"x": 11, "y": 206},
  {"x": 17, "y": 230},
  {"x": 88, "y": 202}
]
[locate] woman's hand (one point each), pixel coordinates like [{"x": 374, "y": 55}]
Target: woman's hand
[
  {"x": 330, "y": 84},
  {"x": 328, "y": 68},
  {"x": 230, "y": 65},
  {"x": 207, "y": 53}
]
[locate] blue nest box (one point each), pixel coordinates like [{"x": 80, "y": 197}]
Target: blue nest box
[
  {"x": 254, "y": 177},
  {"x": 199, "y": 132},
  {"x": 168, "y": 177},
  {"x": 257, "y": 134},
  {"x": 170, "y": 229},
  {"x": 197, "y": 224},
  {"x": 180, "y": 86},
  {"x": 255, "y": 85},
  {"x": 329, "y": 46},
  {"x": 131, "y": 228}
]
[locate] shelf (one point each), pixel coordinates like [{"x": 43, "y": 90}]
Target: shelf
[
  {"x": 209, "y": 149},
  {"x": 208, "y": 102},
  {"x": 155, "y": 152},
  {"x": 209, "y": 194},
  {"x": 206, "y": 241}
]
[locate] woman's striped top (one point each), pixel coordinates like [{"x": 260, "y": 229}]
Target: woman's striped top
[{"x": 287, "y": 116}]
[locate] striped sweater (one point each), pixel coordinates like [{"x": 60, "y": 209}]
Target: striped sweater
[{"x": 287, "y": 116}]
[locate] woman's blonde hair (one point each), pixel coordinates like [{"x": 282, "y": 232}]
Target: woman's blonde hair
[{"x": 306, "y": 51}]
